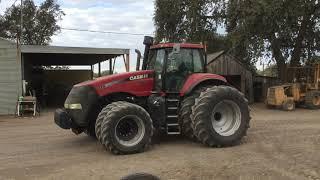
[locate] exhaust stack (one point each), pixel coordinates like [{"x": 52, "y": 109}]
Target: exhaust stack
[
  {"x": 138, "y": 59},
  {"x": 148, "y": 42}
]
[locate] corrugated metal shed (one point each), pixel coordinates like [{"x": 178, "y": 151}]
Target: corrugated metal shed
[
  {"x": 16, "y": 64},
  {"x": 10, "y": 76},
  {"x": 236, "y": 73},
  {"x": 59, "y": 55}
]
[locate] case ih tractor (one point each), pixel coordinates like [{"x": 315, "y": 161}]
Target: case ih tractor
[{"x": 171, "y": 93}]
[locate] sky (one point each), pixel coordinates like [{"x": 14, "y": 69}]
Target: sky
[{"x": 128, "y": 16}]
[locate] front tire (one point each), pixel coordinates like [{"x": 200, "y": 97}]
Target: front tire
[
  {"x": 221, "y": 116},
  {"x": 313, "y": 100},
  {"x": 100, "y": 120},
  {"x": 289, "y": 105},
  {"x": 126, "y": 129}
]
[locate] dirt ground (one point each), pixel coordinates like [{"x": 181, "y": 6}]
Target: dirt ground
[{"x": 279, "y": 145}]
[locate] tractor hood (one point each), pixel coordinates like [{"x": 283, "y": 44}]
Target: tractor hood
[{"x": 136, "y": 83}]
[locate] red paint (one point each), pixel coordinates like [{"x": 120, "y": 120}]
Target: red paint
[
  {"x": 182, "y": 45},
  {"x": 122, "y": 84},
  {"x": 195, "y": 79}
]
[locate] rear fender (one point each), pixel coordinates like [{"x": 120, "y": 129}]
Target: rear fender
[{"x": 196, "y": 80}]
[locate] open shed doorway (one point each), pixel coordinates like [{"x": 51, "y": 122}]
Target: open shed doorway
[
  {"x": 52, "y": 86},
  {"x": 49, "y": 73},
  {"x": 235, "y": 81}
]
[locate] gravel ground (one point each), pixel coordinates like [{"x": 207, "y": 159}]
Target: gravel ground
[{"x": 279, "y": 145}]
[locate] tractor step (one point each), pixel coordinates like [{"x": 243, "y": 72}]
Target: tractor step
[
  {"x": 172, "y": 106},
  {"x": 172, "y": 100}
]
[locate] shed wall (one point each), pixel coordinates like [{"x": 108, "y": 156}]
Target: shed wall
[
  {"x": 10, "y": 77},
  {"x": 226, "y": 65}
]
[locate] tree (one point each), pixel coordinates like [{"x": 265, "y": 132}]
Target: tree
[
  {"x": 188, "y": 20},
  {"x": 287, "y": 30},
  {"x": 270, "y": 70},
  {"x": 39, "y": 22},
  {"x": 195, "y": 21}
]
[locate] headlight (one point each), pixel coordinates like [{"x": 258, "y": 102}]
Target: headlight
[{"x": 73, "y": 106}]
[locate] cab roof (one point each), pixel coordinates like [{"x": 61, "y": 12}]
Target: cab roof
[{"x": 182, "y": 45}]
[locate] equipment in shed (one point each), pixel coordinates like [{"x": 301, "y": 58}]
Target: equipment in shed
[
  {"x": 27, "y": 104},
  {"x": 304, "y": 89}
]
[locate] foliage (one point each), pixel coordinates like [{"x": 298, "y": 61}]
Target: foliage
[
  {"x": 39, "y": 22},
  {"x": 287, "y": 31},
  {"x": 270, "y": 71},
  {"x": 195, "y": 21},
  {"x": 187, "y": 20}
]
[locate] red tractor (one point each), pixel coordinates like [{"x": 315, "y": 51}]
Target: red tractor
[{"x": 172, "y": 93}]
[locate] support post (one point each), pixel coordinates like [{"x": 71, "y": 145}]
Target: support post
[
  {"x": 99, "y": 70},
  {"x": 110, "y": 66},
  {"x": 91, "y": 71},
  {"x": 128, "y": 62}
]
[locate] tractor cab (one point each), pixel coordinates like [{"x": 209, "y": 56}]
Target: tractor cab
[{"x": 173, "y": 63}]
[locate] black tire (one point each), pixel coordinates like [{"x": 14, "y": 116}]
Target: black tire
[
  {"x": 135, "y": 118},
  {"x": 209, "y": 102},
  {"x": 100, "y": 119},
  {"x": 289, "y": 105},
  {"x": 140, "y": 176},
  {"x": 312, "y": 100},
  {"x": 185, "y": 112}
]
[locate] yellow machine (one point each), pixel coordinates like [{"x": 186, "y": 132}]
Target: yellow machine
[{"x": 305, "y": 90}]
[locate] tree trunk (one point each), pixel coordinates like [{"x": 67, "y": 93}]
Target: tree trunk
[
  {"x": 280, "y": 60},
  {"x": 296, "y": 54}
]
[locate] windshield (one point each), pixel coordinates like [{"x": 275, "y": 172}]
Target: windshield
[{"x": 185, "y": 60}]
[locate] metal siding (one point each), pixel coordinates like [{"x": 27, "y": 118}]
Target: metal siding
[{"x": 10, "y": 77}]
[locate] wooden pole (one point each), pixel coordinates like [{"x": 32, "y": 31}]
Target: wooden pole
[
  {"x": 99, "y": 69},
  {"x": 128, "y": 62},
  {"x": 110, "y": 66},
  {"x": 21, "y": 21},
  {"x": 114, "y": 64},
  {"x": 91, "y": 71}
]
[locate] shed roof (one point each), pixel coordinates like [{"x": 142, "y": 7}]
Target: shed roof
[
  {"x": 214, "y": 56},
  {"x": 59, "y": 55}
]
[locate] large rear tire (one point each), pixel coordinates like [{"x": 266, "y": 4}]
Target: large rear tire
[
  {"x": 221, "y": 116},
  {"x": 126, "y": 129},
  {"x": 313, "y": 100},
  {"x": 185, "y": 113}
]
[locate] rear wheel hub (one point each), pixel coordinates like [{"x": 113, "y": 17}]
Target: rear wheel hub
[{"x": 226, "y": 118}]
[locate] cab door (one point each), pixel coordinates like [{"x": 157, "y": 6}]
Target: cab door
[{"x": 159, "y": 62}]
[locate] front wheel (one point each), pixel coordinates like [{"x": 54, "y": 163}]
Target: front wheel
[
  {"x": 221, "y": 116},
  {"x": 289, "y": 105},
  {"x": 313, "y": 100},
  {"x": 126, "y": 129}
]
